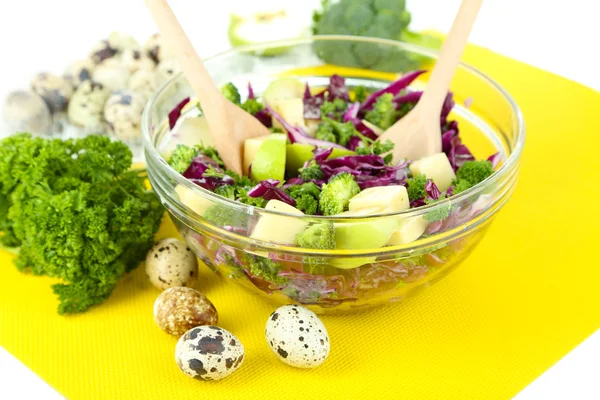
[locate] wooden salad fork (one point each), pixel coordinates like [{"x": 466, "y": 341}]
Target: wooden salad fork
[{"x": 228, "y": 124}]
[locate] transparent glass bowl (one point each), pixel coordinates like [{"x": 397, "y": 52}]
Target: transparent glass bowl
[{"x": 364, "y": 274}]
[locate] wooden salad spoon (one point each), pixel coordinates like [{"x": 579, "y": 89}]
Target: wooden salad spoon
[
  {"x": 228, "y": 124},
  {"x": 418, "y": 133}
]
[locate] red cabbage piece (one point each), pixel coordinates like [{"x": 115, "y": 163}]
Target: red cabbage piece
[
  {"x": 362, "y": 128},
  {"x": 268, "y": 190},
  {"x": 495, "y": 159},
  {"x": 176, "y": 112},
  {"x": 456, "y": 152},
  {"x": 264, "y": 117},
  {"x": 446, "y": 108},
  {"x": 355, "y": 142},
  {"x": 432, "y": 190},
  {"x": 196, "y": 170},
  {"x": 368, "y": 170},
  {"x": 297, "y": 134},
  {"x": 293, "y": 182},
  {"x": 394, "y": 88},
  {"x": 312, "y": 104},
  {"x": 250, "y": 92},
  {"x": 322, "y": 154},
  {"x": 352, "y": 112},
  {"x": 337, "y": 88},
  {"x": 411, "y": 97}
]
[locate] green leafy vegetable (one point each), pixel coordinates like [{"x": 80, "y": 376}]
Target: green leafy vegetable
[
  {"x": 475, "y": 172},
  {"x": 416, "y": 187},
  {"x": 384, "y": 112},
  {"x": 311, "y": 171},
  {"x": 231, "y": 93},
  {"x": 306, "y": 196},
  {"x": 266, "y": 269},
  {"x": 343, "y": 130},
  {"x": 378, "y": 148},
  {"x": 325, "y": 132},
  {"x": 336, "y": 194},
  {"x": 361, "y": 93},
  {"x": 77, "y": 212},
  {"x": 318, "y": 236},
  {"x": 182, "y": 157}
]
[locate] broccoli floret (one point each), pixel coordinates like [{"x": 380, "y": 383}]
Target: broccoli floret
[
  {"x": 343, "y": 131},
  {"x": 360, "y": 93},
  {"x": 226, "y": 191},
  {"x": 318, "y": 236},
  {"x": 460, "y": 186},
  {"x": 334, "y": 109},
  {"x": 416, "y": 187},
  {"x": 182, "y": 157},
  {"x": 386, "y": 19},
  {"x": 252, "y": 106},
  {"x": 440, "y": 213},
  {"x": 311, "y": 171},
  {"x": 231, "y": 93},
  {"x": 384, "y": 112},
  {"x": 266, "y": 269},
  {"x": 306, "y": 196},
  {"x": 212, "y": 153},
  {"x": 475, "y": 171},
  {"x": 325, "y": 132},
  {"x": 336, "y": 194},
  {"x": 223, "y": 215},
  {"x": 378, "y": 148}
]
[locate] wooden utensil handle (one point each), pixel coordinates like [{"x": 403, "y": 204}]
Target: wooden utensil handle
[
  {"x": 452, "y": 50},
  {"x": 190, "y": 62}
]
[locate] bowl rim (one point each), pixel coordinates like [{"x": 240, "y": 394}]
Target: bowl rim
[{"x": 505, "y": 168}]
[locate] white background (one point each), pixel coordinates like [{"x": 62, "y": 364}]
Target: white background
[{"x": 557, "y": 35}]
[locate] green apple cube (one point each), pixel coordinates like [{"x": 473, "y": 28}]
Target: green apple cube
[
  {"x": 194, "y": 201},
  {"x": 437, "y": 168},
  {"x": 251, "y": 147},
  {"x": 269, "y": 160},
  {"x": 283, "y": 89},
  {"x": 392, "y": 198},
  {"x": 278, "y": 228},
  {"x": 297, "y": 154},
  {"x": 365, "y": 235},
  {"x": 410, "y": 230},
  {"x": 291, "y": 110}
]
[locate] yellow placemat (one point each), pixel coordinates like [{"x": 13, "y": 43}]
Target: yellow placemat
[{"x": 525, "y": 297}]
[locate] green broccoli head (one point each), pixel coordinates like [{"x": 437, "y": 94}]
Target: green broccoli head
[
  {"x": 384, "y": 112},
  {"x": 416, "y": 187},
  {"x": 231, "y": 93},
  {"x": 361, "y": 93},
  {"x": 311, "y": 171},
  {"x": 306, "y": 196},
  {"x": 475, "y": 171},
  {"x": 182, "y": 157},
  {"x": 336, "y": 194},
  {"x": 252, "y": 106},
  {"x": 325, "y": 132},
  {"x": 386, "y": 19},
  {"x": 460, "y": 186},
  {"x": 343, "y": 130},
  {"x": 318, "y": 236}
]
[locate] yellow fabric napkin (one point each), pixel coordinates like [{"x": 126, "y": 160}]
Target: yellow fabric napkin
[{"x": 525, "y": 297}]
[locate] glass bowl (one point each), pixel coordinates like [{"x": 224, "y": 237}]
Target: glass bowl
[{"x": 365, "y": 272}]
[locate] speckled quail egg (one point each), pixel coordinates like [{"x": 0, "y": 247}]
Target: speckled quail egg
[
  {"x": 112, "y": 74},
  {"x": 121, "y": 41},
  {"x": 171, "y": 263},
  {"x": 55, "y": 91},
  {"x": 179, "y": 309},
  {"x": 102, "y": 51},
  {"x": 26, "y": 111},
  {"x": 156, "y": 49},
  {"x": 143, "y": 82},
  {"x": 209, "y": 353},
  {"x": 134, "y": 60},
  {"x": 86, "y": 108},
  {"x": 123, "y": 113},
  {"x": 166, "y": 70},
  {"x": 79, "y": 71},
  {"x": 297, "y": 337}
]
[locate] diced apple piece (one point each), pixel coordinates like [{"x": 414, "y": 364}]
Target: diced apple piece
[
  {"x": 297, "y": 154},
  {"x": 190, "y": 132},
  {"x": 191, "y": 105},
  {"x": 437, "y": 168},
  {"x": 393, "y": 198},
  {"x": 283, "y": 88},
  {"x": 278, "y": 228},
  {"x": 410, "y": 230},
  {"x": 194, "y": 201},
  {"x": 364, "y": 235},
  {"x": 291, "y": 110},
  {"x": 269, "y": 160},
  {"x": 376, "y": 130},
  {"x": 251, "y": 147}
]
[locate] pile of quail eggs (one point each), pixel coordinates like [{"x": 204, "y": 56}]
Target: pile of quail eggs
[
  {"x": 104, "y": 93},
  {"x": 204, "y": 350}
]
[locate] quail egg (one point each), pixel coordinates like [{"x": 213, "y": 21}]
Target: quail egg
[
  {"x": 171, "y": 263},
  {"x": 79, "y": 71},
  {"x": 86, "y": 107},
  {"x": 297, "y": 337},
  {"x": 55, "y": 91},
  {"x": 143, "y": 82},
  {"x": 209, "y": 353},
  {"x": 134, "y": 60},
  {"x": 102, "y": 51},
  {"x": 123, "y": 112},
  {"x": 179, "y": 309},
  {"x": 121, "y": 41},
  {"x": 26, "y": 111},
  {"x": 156, "y": 49},
  {"x": 112, "y": 74},
  {"x": 166, "y": 69}
]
